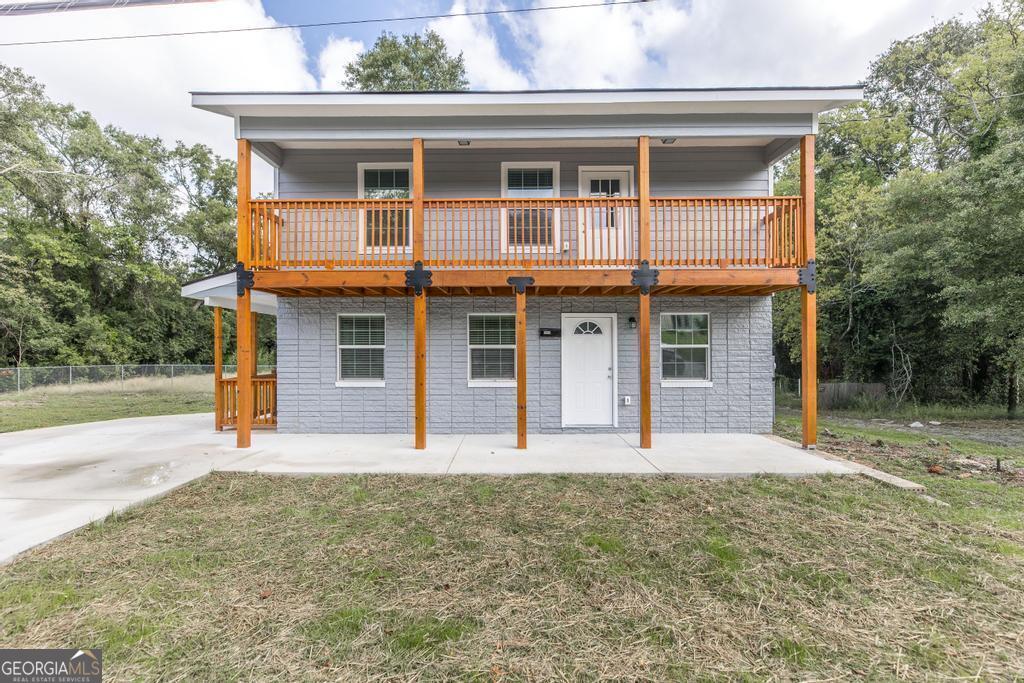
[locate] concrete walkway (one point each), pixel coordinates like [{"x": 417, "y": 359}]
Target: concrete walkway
[{"x": 55, "y": 480}]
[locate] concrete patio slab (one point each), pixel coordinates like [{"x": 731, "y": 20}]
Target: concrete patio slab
[
  {"x": 549, "y": 453},
  {"x": 55, "y": 480},
  {"x": 733, "y": 455},
  {"x": 346, "y": 454}
]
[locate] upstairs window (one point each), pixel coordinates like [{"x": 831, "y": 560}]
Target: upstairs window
[
  {"x": 530, "y": 227},
  {"x": 686, "y": 347},
  {"x": 385, "y": 227}
]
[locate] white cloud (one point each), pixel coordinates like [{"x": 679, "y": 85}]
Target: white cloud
[
  {"x": 335, "y": 56},
  {"x": 486, "y": 68},
  {"x": 143, "y": 85},
  {"x": 719, "y": 42}
]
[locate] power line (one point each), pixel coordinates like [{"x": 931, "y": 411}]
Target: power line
[
  {"x": 17, "y": 9},
  {"x": 349, "y": 22}
]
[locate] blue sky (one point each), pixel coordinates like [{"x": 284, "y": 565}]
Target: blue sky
[
  {"x": 310, "y": 11},
  {"x": 143, "y": 85}
]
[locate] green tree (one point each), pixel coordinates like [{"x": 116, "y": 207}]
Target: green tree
[{"x": 409, "y": 62}]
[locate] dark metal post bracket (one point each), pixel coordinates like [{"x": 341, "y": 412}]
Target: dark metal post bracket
[
  {"x": 521, "y": 283},
  {"x": 418, "y": 278},
  {"x": 808, "y": 276},
  {"x": 244, "y": 279},
  {"x": 645, "y": 277}
]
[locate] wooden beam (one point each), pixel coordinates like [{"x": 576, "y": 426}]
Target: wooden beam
[
  {"x": 644, "y": 333},
  {"x": 218, "y": 367},
  {"x": 420, "y": 353},
  {"x": 417, "y": 199},
  {"x": 243, "y": 333},
  {"x": 643, "y": 187},
  {"x": 808, "y": 303},
  {"x": 521, "y": 369},
  {"x": 498, "y": 278}
]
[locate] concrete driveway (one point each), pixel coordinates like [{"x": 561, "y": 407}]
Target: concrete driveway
[{"x": 55, "y": 480}]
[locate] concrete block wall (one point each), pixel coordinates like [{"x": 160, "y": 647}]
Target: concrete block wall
[{"x": 740, "y": 399}]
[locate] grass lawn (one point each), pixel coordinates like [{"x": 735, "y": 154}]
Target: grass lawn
[
  {"x": 50, "y": 409},
  {"x": 540, "y": 577}
]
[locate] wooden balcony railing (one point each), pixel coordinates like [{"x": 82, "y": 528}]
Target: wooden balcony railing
[
  {"x": 533, "y": 233},
  {"x": 264, "y": 401},
  {"x": 726, "y": 231}
]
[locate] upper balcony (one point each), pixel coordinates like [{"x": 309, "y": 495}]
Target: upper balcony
[
  {"x": 562, "y": 233},
  {"x": 573, "y": 188}
]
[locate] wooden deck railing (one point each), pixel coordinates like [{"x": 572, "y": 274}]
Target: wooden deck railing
[
  {"x": 264, "y": 401},
  {"x": 535, "y": 233},
  {"x": 726, "y": 231}
]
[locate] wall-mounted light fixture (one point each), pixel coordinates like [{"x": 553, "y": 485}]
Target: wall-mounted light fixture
[
  {"x": 667, "y": 141},
  {"x": 632, "y": 323},
  {"x": 464, "y": 143}
]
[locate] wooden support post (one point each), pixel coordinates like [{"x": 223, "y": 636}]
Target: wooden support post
[
  {"x": 419, "y": 300},
  {"x": 808, "y": 303},
  {"x": 243, "y": 334},
  {"x": 643, "y": 329},
  {"x": 521, "y": 369},
  {"x": 218, "y": 368},
  {"x": 255, "y": 345},
  {"x": 417, "y": 199},
  {"x": 643, "y": 187},
  {"x": 420, "y": 333},
  {"x": 644, "y": 309}
]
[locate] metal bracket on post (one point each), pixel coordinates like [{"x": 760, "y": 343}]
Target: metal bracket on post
[
  {"x": 244, "y": 279},
  {"x": 521, "y": 283},
  {"x": 808, "y": 276},
  {"x": 645, "y": 277},
  {"x": 418, "y": 278}
]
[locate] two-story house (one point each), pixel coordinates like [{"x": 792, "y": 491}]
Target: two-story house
[{"x": 543, "y": 261}]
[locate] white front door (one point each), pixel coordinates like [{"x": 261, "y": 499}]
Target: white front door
[
  {"x": 603, "y": 230},
  {"x": 588, "y": 370}
]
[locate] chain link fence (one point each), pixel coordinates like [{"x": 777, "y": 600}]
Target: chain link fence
[{"x": 171, "y": 377}]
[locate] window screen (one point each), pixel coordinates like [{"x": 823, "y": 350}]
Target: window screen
[
  {"x": 492, "y": 347},
  {"x": 685, "y": 346},
  {"x": 361, "y": 341}
]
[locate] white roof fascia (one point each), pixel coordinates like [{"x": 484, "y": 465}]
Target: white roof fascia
[{"x": 768, "y": 101}]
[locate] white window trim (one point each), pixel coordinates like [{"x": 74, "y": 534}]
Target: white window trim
[
  {"x": 492, "y": 383},
  {"x": 631, "y": 182},
  {"x": 361, "y": 194},
  {"x": 691, "y": 383},
  {"x": 338, "y": 382},
  {"x": 556, "y": 190}
]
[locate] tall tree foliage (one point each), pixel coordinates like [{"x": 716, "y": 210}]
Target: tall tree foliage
[
  {"x": 98, "y": 229},
  {"x": 410, "y": 62},
  {"x": 919, "y": 218}
]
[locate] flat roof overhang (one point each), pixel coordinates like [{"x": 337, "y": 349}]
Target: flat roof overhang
[
  {"x": 220, "y": 291},
  {"x": 768, "y": 100}
]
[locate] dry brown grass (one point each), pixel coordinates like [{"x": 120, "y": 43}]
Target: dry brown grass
[{"x": 536, "y": 578}]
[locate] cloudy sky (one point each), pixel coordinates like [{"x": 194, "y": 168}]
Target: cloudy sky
[{"x": 142, "y": 85}]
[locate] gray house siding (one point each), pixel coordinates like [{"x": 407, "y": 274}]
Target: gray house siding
[
  {"x": 739, "y": 400},
  {"x": 448, "y": 173}
]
